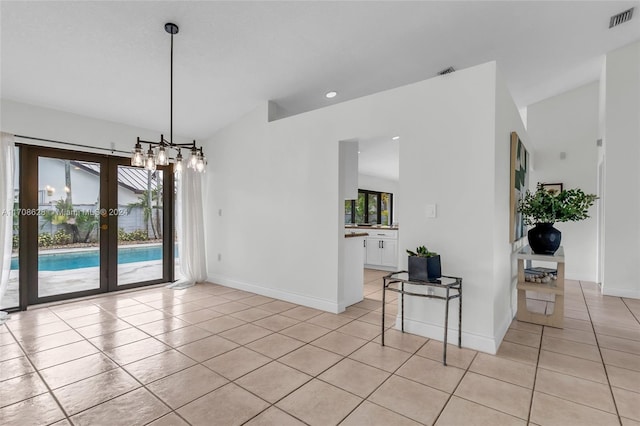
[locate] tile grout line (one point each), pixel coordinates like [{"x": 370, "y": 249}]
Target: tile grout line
[
  {"x": 456, "y": 388},
  {"x": 630, "y": 311},
  {"x": 120, "y": 366},
  {"x": 382, "y": 383},
  {"x": 604, "y": 365},
  {"x": 37, "y": 371},
  {"x": 142, "y": 385},
  {"x": 296, "y": 369},
  {"x": 535, "y": 376},
  {"x": 272, "y": 360},
  {"x": 244, "y": 346}
]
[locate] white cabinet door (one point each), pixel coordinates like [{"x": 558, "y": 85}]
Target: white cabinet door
[
  {"x": 374, "y": 255},
  {"x": 389, "y": 253},
  {"x": 364, "y": 248}
]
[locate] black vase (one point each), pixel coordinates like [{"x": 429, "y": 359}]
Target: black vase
[
  {"x": 424, "y": 268},
  {"x": 544, "y": 238}
]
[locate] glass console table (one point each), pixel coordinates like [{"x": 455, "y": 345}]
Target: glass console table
[{"x": 396, "y": 282}]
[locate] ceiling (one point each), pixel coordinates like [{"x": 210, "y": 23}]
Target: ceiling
[{"x": 110, "y": 60}]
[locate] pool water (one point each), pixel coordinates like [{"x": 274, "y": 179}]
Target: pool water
[{"x": 91, "y": 258}]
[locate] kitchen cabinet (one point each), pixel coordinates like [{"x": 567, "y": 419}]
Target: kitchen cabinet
[{"x": 381, "y": 249}]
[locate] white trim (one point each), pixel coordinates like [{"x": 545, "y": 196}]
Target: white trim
[
  {"x": 311, "y": 302},
  {"x": 502, "y": 330},
  {"x": 381, "y": 267},
  {"x": 473, "y": 341},
  {"x": 622, "y": 292},
  {"x": 579, "y": 277}
]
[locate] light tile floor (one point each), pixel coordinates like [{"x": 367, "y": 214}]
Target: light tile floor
[{"x": 214, "y": 355}]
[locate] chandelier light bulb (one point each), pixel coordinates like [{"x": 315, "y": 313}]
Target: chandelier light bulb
[
  {"x": 200, "y": 164},
  {"x": 137, "y": 158},
  {"x": 150, "y": 161},
  {"x": 193, "y": 160},
  {"x": 161, "y": 158},
  {"x": 178, "y": 167}
]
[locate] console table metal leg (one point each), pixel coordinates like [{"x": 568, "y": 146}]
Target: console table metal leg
[
  {"x": 460, "y": 317},
  {"x": 402, "y": 301},
  {"x": 383, "y": 303},
  {"x": 446, "y": 328}
]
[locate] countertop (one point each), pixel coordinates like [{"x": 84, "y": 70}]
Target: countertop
[
  {"x": 391, "y": 228},
  {"x": 356, "y": 234}
]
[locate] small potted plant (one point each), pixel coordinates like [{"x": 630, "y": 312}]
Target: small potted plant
[
  {"x": 545, "y": 207},
  {"x": 424, "y": 265}
]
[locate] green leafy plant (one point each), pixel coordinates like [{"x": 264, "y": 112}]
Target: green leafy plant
[
  {"x": 61, "y": 238},
  {"x": 545, "y": 206},
  {"x": 45, "y": 240},
  {"x": 422, "y": 251},
  {"x": 137, "y": 235}
]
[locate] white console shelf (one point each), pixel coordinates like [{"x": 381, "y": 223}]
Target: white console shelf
[{"x": 554, "y": 287}]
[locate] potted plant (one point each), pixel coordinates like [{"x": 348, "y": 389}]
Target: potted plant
[
  {"x": 545, "y": 207},
  {"x": 424, "y": 265}
]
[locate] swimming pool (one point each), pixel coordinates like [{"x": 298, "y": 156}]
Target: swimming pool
[{"x": 91, "y": 258}]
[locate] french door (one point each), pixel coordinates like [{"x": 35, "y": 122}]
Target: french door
[{"x": 91, "y": 224}]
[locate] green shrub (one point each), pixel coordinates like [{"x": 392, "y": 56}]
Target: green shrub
[
  {"x": 61, "y": 238},
  {"x": 122, "y": 236},
  {"x": 45, "y": 240},
  {"x": 137, "y": 235},
  {"x": 16, "y": 241}
]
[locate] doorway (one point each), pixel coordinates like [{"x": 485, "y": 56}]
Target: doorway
[{"x": 91, "y": 224}]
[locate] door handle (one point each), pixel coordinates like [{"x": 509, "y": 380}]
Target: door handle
[
  {"x": 104, "y": 227},
  {"x": 381, "y": 244}
]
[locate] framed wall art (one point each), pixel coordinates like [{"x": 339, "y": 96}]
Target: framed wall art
[
  {"x": 519, "y": 185},
  {"x": 554, "y": 187}
]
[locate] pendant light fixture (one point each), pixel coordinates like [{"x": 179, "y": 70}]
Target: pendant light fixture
[{"x": 161, "y": 156}]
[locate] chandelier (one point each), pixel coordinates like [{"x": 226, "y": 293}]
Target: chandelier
[{"x": 161, "y": 156}]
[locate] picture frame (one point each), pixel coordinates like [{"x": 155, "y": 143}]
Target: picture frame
[
  {"x": 555, "y": 187},
  {"x": 519, "y": 183}
]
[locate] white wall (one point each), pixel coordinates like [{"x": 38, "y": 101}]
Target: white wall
[
  {"x": 376, "y": 183},
  {"x": 29, "y": 120},
  {"x": 622, "y": 173},
  {"x": 508, "y": 119},
  {"x": 569, "y": 123},
  {"x": 277, "y": 186}
]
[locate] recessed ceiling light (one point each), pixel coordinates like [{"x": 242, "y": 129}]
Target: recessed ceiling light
[
  {"x": 358, "y": 152},
  {"x": 395, "y": 138},
  {"x": 331, "y": 94}
]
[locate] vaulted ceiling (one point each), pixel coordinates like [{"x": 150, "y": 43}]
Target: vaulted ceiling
[{"x": 110, "y": 60}]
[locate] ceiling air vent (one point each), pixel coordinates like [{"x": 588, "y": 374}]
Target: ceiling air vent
[
  {"x": 621, "y": 18},
  {"x": 447, "y": 71}
]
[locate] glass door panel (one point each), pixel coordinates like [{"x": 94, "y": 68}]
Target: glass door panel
[
  {"x": 373, "y": 208},
  {"x": 385, "y": 209},
  {"x": 68, "y": 230},
  {"x": 140, "y": 209},
  {"x": 360, "y": 211}
]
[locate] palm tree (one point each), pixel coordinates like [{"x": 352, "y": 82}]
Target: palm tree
[{"x": 143, "y": 203}]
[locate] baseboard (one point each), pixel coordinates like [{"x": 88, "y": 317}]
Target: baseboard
[
  {"x": 621, "y": 292},
  {"x": 579, "y": 277},
  {"x": 469, "y": 340},
  {"x": 381, "y": 268},
  {"x": 502, "y": 330},
  {"x": 299, "y": 299}
]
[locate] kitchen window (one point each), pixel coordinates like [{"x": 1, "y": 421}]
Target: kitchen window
[{"x": 371, "y": 208}]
